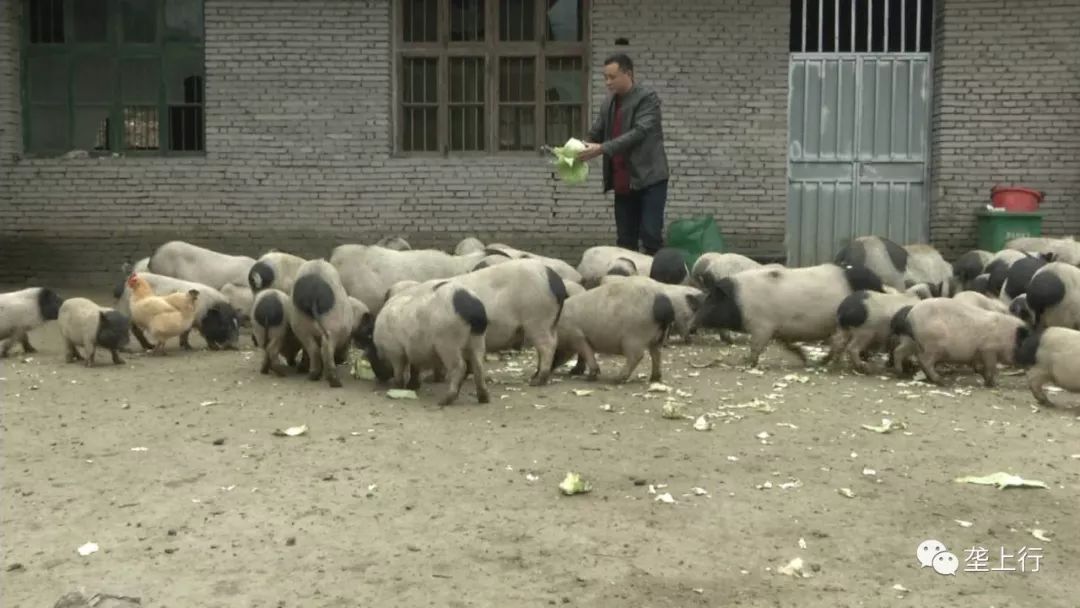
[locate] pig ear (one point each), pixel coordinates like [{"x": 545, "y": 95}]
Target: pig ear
[
  {"x": 693, "y": 300},
  {"x": 1048, "y": 256}
]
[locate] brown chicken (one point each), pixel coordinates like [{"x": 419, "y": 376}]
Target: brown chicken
[{"x": 161, "y": 317}]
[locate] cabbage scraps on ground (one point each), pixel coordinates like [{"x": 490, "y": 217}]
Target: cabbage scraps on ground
[{"x": 570, "y": 169}]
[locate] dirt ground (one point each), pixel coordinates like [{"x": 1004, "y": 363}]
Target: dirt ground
[{"x": 171, "y": 467}]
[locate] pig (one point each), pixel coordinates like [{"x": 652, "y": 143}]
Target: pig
[
  {"x": 790, "y": 304},
  {"x": 23, "y": 311},
  {"x": 367, "y": 272},
  {"x": 980, "y": 284},
  {"x": 998, "y": 269},
  {"x": 596, "y": 261},
  {"x": 564, "y": 270},
  {"x": 978, "y": 300},
  {"x": 275, "y": 269},
  {"x": 84, "y": 323},
  {"x": 669, "y": 266},
  {"x": 711, "y": 267},
  {"x": 1064, "y": 249},
  {"x": 685, "y": 299},
  {"x": 926, "y": 265},
  {"x": 1054, "y": 296},
  {"x": 127, "y": 268},
  {"x": 215, "y": 318},
  {"x": 189, "y": 262},
  {"x": 969, "y": 266},
  {"x": 864, "y": 323},
  {"x": 1019, "y": 276},
  {"x": 396, "y": 243},
  {"x": 625, "y": 317},
  {"x": 436, "y": 325},
  {"x": 1051, "y": 356},
  {"x": 573, "y": 289},
  {"x": 1019, "y": 308},
  {"x": 325, "y": 319},
  {"x": 622, "y": 267},
  {"x": 522, "y": 300},
  {"x": 887, "y": 259},
  {"x": 468, "y": 245},
  {"x": 943, "y": 329},
  {"x": 272, "y": 332}
]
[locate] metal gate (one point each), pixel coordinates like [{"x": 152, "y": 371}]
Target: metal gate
[{"x": 858, "y": 147}]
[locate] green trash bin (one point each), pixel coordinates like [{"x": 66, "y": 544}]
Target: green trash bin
[
  {"x": 695, "y": 236},
  {"x": 998, "y": 227}
]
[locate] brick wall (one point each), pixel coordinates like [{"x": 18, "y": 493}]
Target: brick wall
[
  {"x": 299, "y": 142},
  {"x": 1007, "y": 110}
]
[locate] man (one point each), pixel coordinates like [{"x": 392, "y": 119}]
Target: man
[{"x": 627, "y": 132}]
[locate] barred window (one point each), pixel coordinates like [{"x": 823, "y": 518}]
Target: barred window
[
  {"x": 489, "y": 75},
  {"x": 113, "y": 76}
]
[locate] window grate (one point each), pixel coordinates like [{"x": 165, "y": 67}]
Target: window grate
[{"x": 861, "y": 26}]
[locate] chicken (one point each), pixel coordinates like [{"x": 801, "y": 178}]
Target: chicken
[{"x": 161, "y": 317}]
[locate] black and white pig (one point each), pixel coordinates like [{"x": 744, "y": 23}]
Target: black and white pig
[
  {"x": 564, "y": 270},
  {"x": 275, "y": 269},
  {"x": 225, "y": 273},
  {"x": 1054, "y": 296},
  {"x": 1051, "y": 356},
  {"x": 367, "y": 272},
  {"x": 522, "y": 299},
  {"x": 1019, "y": 276},
  {"x": 434, "y": 325},
  {"x": 685, "y": 299},
  {"x": 969, "y": 266},
  {"x": 325, "y": 319},
  {"x": 85, "y": 324},
  {"x": 711, "y": 267},
  {"x": 396, "y": 243},
  {"x": 790, "y": 304},
  {"x": 468, "y": 245},
  {"x": 624, "y": 317},
  {"x": 998, "y": 269},
  {"x": 597, "y": 262},
  {"x": 864, "y": 323},
  {"x": 1059, "y": 249},
  {"x": 272, "y": 333},
  {"x": 945, "y": 330},
  {"x": 23, "y": 311},
  {"x": 669, "y": 267},
  {"x": 215, "y": 318}
]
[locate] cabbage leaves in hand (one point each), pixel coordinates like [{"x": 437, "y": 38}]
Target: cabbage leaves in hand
[{"x": 570, "y": 169}]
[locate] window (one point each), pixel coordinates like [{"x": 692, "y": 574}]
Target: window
[
  {"x": 113, "y": 76},
  {"x": 861, "y": 26},
  {"x": 490, "y": 75}
]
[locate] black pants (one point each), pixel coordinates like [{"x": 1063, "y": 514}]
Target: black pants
[{"x": 640, "y": 216}]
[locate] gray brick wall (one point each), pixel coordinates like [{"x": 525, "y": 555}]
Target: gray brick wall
[
  {"x": 299, "y": 146},
  {"x": 1007, "y": 110}
]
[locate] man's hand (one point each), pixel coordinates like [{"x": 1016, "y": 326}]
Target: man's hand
[{"x": 590, "y": 152}]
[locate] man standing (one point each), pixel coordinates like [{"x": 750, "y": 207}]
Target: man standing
[{"x": 627, "y": 132}]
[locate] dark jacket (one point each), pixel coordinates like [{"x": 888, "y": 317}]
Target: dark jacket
[{"x": 641, "y": 142}]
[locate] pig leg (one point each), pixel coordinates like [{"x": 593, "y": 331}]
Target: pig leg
[
  {"x": 633, "y": 351},
  {"x": 185, "y": 340},
  {"x": 475, "y": 353},
  {"x": 24, "y": 339},
  {"x": 6, "y": 348},
  {"x": 314, "y": 358},
  {"x": 329, "y": 362},
  {"x": 401, "y": 369},
  {"x": 116, "y": 357},
  {"x": 455, "y": 371},
  {"x": 795, "y": 349},
  {"x": 91, "y": 354},
  {"x": 586, "y": 352},
  {"x": 72, "y": 352},
  {"x": 579, "y": 367},
  {"x": 544, "y": 342},
  {"x": 988, "y": 360},
  {"x": 927, "y": 360},
  {"x": 414, "y": 378},
  {"x": 1037, "y": 381},
  {"x": 902, "y": 353},
  {"x": 141, "y": 337},
  {"x": 758, "y": 341},
  {"x": 654, "y": 358}
]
